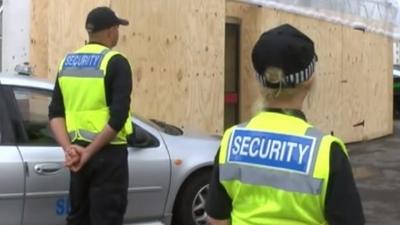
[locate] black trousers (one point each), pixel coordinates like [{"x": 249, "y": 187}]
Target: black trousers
[{"x": 98, "y": 192}]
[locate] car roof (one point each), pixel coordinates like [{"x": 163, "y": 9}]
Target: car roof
[{"x": 15, "y": 79}]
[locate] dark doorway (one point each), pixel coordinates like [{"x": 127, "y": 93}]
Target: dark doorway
[{"x": 232, "y": 43}]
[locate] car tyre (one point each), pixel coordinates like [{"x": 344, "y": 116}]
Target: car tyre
[{"x": 190, "y": 204}]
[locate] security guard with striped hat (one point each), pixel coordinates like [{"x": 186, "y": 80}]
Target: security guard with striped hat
[
  {"x": 90, "y": 117},
  {"x": 277, "y": 168}
]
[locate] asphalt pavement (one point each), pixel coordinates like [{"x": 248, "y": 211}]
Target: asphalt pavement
[{"x": 376, "y": 166}]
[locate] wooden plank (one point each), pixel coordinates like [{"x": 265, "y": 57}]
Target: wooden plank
[
  {"x": 38, "y": 56},
  {"x": 378, "y": 79},
  {"x": 350, "y": 87}
]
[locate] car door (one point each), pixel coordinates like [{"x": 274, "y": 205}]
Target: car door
[
  {"x": 47, "y": 180},
  {"x": 11, "y": 169},
  {"x": 149, "y": 175},
  {"x": 46, "y": 184}
]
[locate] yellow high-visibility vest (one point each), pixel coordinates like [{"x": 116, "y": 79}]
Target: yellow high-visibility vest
[
  {"x": 81, "y": 79},
  {"x": 275, "y": 169}
]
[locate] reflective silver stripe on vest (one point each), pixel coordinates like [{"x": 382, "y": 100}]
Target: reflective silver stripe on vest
[
  {"x": 87, "y": 72},
  {"x": 311, "y": 131},
  {"x": 282, "y": 180},
  {"x": 294, "y": 182},
  {"x": 90, "y": 136}
]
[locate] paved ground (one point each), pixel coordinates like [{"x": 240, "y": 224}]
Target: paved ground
[{"x": 377, "y": 170}]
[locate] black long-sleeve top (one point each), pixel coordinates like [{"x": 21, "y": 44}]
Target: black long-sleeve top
[
  {"x": 342, "y": 204},
  {"x": 118, "y": 87}
]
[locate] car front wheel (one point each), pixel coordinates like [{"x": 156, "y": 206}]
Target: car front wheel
[{"x": 191, "y": 201}]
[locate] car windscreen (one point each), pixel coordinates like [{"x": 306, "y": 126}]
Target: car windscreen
[
  {"x": 160, "y": 125},
  {"x": 168, "y": 128}
]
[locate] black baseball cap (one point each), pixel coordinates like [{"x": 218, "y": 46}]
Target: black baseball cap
[
  {"x": 101, "y": 18},
  {"x": 287, "y": 48}
]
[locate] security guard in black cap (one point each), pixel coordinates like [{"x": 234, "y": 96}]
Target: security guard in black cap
[
  {"x": 89, "y": 115},
  {"x": 277, "y": 168}
]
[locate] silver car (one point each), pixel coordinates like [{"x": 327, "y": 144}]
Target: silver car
[{"x": 168, "y": 169}]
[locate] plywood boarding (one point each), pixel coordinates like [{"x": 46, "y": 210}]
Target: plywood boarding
[
  {"x": 379, "y": 104},
  {"x": 67, "y": 28},
  {"x": 57, "y": 27},
  {"x": 353, "y": 95},
  {"x": 38, "y": 57},
  {"x": 176, "y": 49}
]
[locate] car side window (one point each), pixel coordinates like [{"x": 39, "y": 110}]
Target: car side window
[
  {"x": 33, "y": 106},
  {"x": 7, "y": 134},
  {"x": 141, "y": 138},
  {"x": 6, "y": 131}
]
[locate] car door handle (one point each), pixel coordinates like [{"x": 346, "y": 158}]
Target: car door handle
[{"x": 47, "y": 168}]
